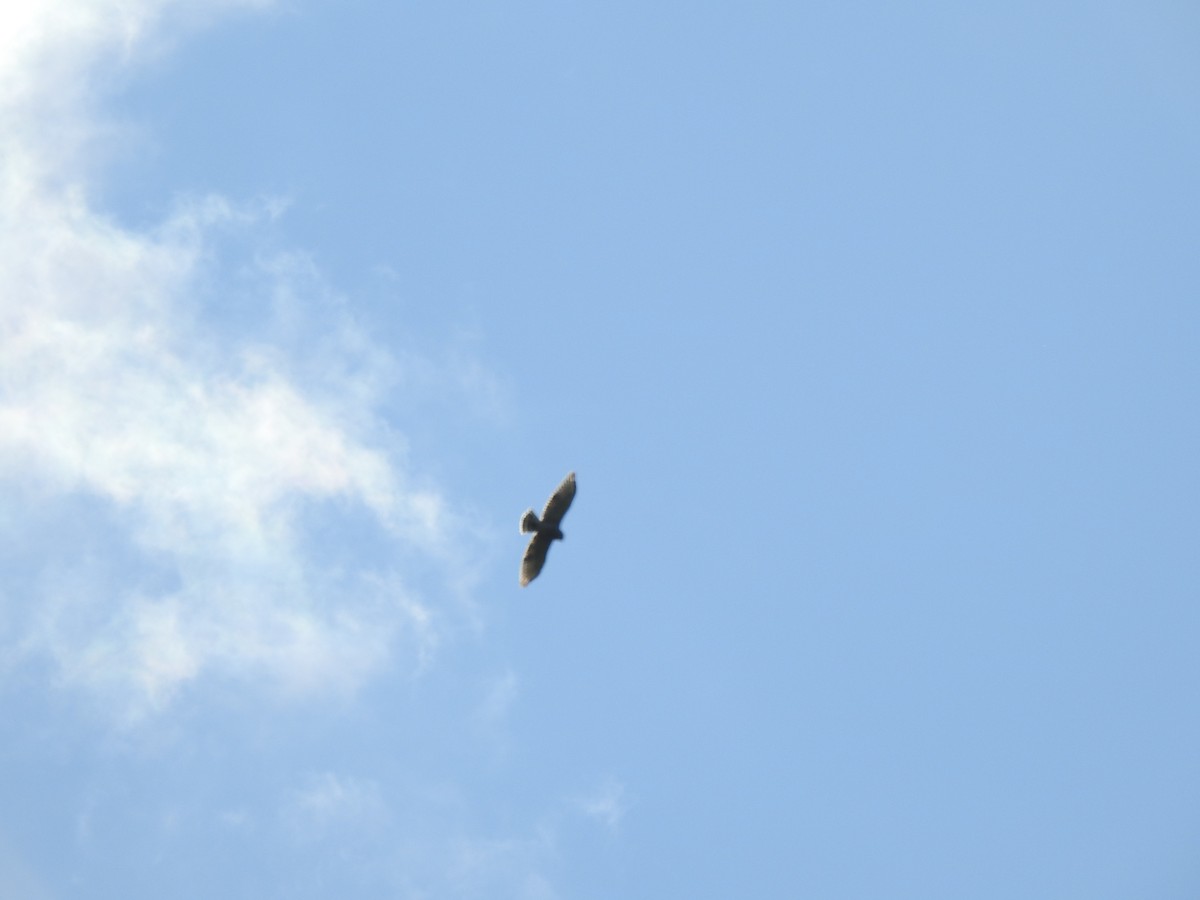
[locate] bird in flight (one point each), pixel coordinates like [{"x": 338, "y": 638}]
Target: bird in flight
[{"x": 545, "y": 529}]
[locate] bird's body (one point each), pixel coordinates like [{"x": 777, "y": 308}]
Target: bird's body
[{"x": 546, "y": 529}]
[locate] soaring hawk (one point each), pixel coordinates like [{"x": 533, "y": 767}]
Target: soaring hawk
[{"x": 546, "y": 529}]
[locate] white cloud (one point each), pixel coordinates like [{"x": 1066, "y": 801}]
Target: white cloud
[
  {"x": 511, "y": 866},
  {"x": 412, "y": 842},
  {"x": 213, "y": 459},
  {"x": 332, "y": 804},
  {"x": 55, "y": 56},
  {"x": 607, "y": 803}
]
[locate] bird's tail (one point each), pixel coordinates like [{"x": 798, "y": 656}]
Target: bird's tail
[{"x": 529, "y": 522}]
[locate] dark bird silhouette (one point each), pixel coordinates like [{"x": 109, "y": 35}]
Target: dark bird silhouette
[{"x": 545, "y": 530}]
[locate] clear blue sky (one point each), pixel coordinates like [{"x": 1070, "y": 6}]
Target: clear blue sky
[{"x": 872, "y": 331}]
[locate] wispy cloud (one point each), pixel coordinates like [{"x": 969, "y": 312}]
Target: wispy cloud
[
  {"x": 607, "y": 803},
  {"x": 479, "y": 867},
  {"x": 229, "y": 483},
  {"x": 331, "y": 803},
  {"x": 412, "y": 842}
]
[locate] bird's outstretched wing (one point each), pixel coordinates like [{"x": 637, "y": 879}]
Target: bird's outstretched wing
[
  {"x": 557, "y": 505},
  {"x": 535, "y": 557}
]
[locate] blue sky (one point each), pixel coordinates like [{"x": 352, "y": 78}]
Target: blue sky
[{"x": 870, "y": 332}]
